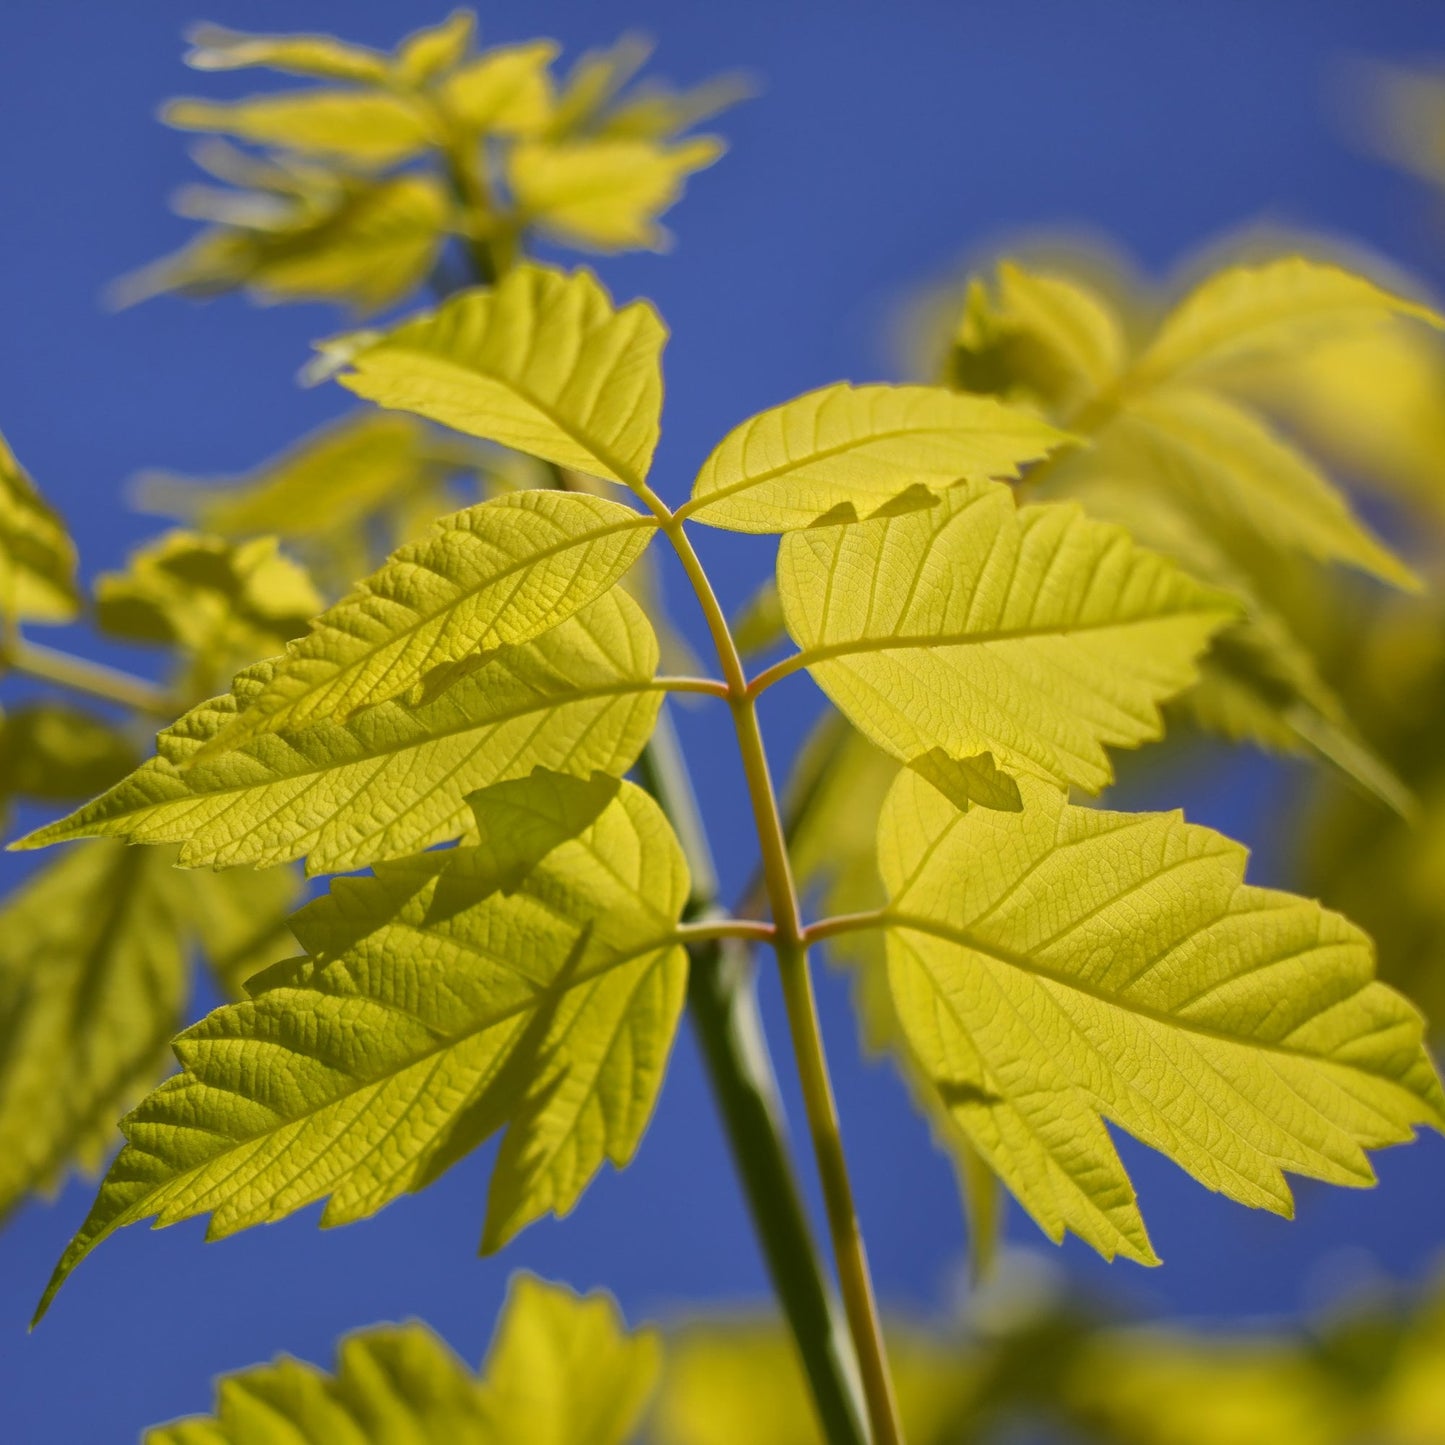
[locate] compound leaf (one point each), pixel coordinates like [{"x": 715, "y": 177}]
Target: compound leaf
[
  {"x": 393, "y": 779},
  {"x": 37, "y": 557},
  {"x": 492, "y": 576},
  {"x": 1246, "y": 311},
  {"x": 845, "y": 451},
  {"x": 92, "y": 981},
  {"x": 1036, "y": 635},
  {"x": 562, "y": 1370},
  {"x": 604, "y": 194},
  {"x": 541, "y": 362},
  {"x": 1062, "y": 966},
  {"x": 432, "y": 1011}
]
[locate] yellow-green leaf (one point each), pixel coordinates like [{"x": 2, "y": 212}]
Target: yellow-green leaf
[
  {"x": 364, "y": 243},
  {"x": 213, "y": 47},
  {"x": 757, "y": 626},
  {"x": 1036, "y": 635},
  {"x": 594, "y": 81},
  {"x": 1228, "y": 465},
  {"x": 427, "y": 52},
  {"x": 1246, "y": 311},
  {"x": 656, "y": 111},
  {"x": 604, "y": 194},
  {"x": 223, "y": 603},
  {"x": 367, "y": 127},
  {"x": 739, "y": 1380},
  {"x": 843, "y": 452},
  {"x": 541, "y": 362},
  {"x": 1063, "y": 966},
  {"x": 1080, "y": 333},
  {"x": 37, "y": 557},
  {"x": 505, "y": 91},
  {"x": 241, "y": 917},
  {"x": 54, "y": 752},
  {"x": 562, "y": 1370},
  {"x": 92, "y": 981},
  {"x": 1258, "y": 684},
  {"x": 394, "y": 779},
  {"x": 432, "y": 1011},
  {"x": 334, "y": 478},
  {"x": 967, "y": 782},
  {"x": 497, "y": 574}
]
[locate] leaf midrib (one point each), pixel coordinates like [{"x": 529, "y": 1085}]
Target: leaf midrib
[
  {"x": 634, "y": 521},
  {"x": 616, "y": 469},
  {"x": 54, "y": 834},
  {"x": 823, "y": 652},
  {"x": 701, "y": 501},
  {"x": 360, "y": 1084},
  {"x": 963, "y": 939}
]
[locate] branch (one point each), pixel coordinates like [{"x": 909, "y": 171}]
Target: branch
[{"x": 30, "y": 659}]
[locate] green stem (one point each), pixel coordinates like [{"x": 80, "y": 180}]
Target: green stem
[
  {"x": 81, "y": 675},
  {"x": 722, "y": 1003},
  {"x": 710, "y": 929},
  {"x": 849, "y": 1255}
]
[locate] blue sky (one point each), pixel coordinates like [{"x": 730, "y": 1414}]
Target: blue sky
[{"x": 888, "y": 142}]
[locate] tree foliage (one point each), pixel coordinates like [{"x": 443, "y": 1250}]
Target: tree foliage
[{"x": 1088, "y": 522}]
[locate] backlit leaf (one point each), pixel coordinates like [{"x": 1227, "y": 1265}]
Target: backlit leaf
[
  {"x": 1371, "y": 401},
  {"x": 393, "y": 779},
  {"x": 604, "y": 194},
  {"x": 972, "y": 626},
  {"x": 432, "y": 1012},
  {"x": 656, "y": 111},
  {"x": 505, "y": 91},
  {"x": 1246, "y": 311},
  {"x": 968, "y": 782},
  {"x": 562, "y": 1370},
  {"x": 1259, "y": 682},
  {"x": 242, "y": 918},
  {"x": 92, "y": 981},
  {"x": 497, "y": 574},
  {"x": 1044, "y": 336},
  {"x": 367, "y": 127},
  {"x": 55, "y": 752},
  {"x": 213, "y": 47},
  {"x": 222, "y": 603},
  {"x": 1228, "y": 465},
  {"x": 1061, "y": 966},
  {"x": 757, "y": 626},
  {"x": 594, "y": 82},
  {"x": 846, "y": 451},
  {"x": 541, "y": 362},
  {"x": 357, "y": 242},
  {"x": 332, "y": 495},
  {"x": 426, "y": 53},
  {"x": 37, "y": 557}
]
